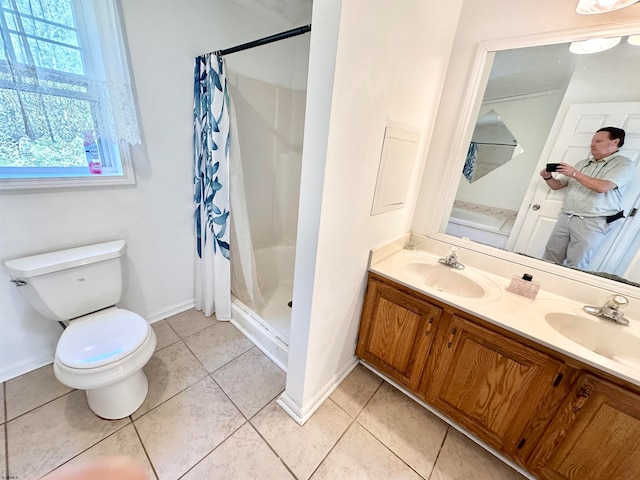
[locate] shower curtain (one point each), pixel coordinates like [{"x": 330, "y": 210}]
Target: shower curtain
[
  {"x": 211, "y": 188},
  {"x": 219, "y": 188},
  {"x": 244, "y": 278}
]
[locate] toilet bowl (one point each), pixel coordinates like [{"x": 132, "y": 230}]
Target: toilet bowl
[
  {"x": 103, "y": 348},
  {"x": 103, "y": 353}
]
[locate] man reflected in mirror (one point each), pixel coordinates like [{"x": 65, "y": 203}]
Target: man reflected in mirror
[{"x": 593, "y": 202}]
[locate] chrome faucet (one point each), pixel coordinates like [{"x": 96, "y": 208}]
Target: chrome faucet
[
  {"x": 452, "y": 259},
  {"x": 611, "y": 310}
]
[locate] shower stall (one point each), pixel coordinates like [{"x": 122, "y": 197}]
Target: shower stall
[{"x": 270, "y": 107}]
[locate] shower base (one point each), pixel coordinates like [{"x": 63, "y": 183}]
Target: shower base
[{"x": 263, "y": 335}]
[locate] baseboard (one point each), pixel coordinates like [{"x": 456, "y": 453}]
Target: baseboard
[
  {"x": 25, "y": 368},
  {"x": 302, "y": 413},
  {"x": 170, "y": 311}
]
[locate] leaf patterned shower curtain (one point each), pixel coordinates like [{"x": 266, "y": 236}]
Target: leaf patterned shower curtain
[{"x": 211, "y": 187}]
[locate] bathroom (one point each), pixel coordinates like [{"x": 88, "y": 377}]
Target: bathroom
[{"x": 346, "y": 113}]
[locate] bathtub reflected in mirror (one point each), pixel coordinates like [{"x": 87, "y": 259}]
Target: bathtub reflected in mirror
[{"x": 483, "y": 224}]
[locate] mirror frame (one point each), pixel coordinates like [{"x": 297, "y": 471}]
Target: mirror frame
[{"x": 475, "y": 87}]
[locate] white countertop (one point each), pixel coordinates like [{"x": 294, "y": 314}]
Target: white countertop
[{"x": 507, "y": 310}]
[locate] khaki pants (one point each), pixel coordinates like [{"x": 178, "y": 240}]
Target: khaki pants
[{"x": 575, "y": 239}]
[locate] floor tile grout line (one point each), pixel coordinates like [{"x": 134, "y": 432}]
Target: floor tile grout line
[
  {"x": 5, "y": 429},
  {"x": 207, "y": 373},
  {"x": 248, "y": 419},
  {"x": 7, "y": 420},
  {"x": 209, "y": 452},
  {"x": 200, "y": 361},
  {"x": 394, "y": 453},
  {"x": 210, "y": 375},
  {"x": 90, "y": 446},
  {"x": 365, "y": 403},
  {"x": 353, "y": 420},
  {"x": 435, "y": 461},
  {"x": 267, "y": 442},
  {"x": 6, "y": 450},
  {"x": 235, "y": 358},
  {"x": 324, "y": 458},
  {"x": 213, "y": 449},
  {"x": 211, "y": 317},
  {"x": 144, "y": 447}
]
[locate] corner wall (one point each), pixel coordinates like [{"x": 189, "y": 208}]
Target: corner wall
[{"x": 390, "y": 62}]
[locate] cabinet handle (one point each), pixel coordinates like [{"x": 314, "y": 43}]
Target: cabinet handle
[
  {"x": 429, "y": 325},
  {"x": 450, "y": 342},
  {"x": 558, "y": 380},
  {"x": 583, "y": 396}
]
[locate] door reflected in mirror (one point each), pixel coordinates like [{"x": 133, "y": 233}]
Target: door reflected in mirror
[{"x": 552, "y": 101}]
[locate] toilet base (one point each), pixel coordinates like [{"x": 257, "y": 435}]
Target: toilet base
[{"x": 121, "y": 399}]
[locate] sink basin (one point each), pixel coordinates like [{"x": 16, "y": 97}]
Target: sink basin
[
  {"x": 600, "y": 336},
  {"x": 444, "y": 279},
  {"x": 421, "y": 269}
]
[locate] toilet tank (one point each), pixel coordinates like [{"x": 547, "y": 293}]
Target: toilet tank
[{"x": 70, "y": 283}]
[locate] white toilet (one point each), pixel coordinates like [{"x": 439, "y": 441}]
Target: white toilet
[{"x": 103, "y": 348}]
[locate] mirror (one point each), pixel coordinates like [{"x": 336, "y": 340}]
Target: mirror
[
  {"x": 492, "y": 145},
  {"x": 548, "y": 97}
]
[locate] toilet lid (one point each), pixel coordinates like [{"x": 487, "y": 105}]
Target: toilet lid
[{"x": 101, "y": 338}]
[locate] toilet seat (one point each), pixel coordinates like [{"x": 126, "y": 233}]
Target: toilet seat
[{"x": 101, "y": 338}]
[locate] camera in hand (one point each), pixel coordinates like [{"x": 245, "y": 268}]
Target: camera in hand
[{"x": 552, "y": 167}]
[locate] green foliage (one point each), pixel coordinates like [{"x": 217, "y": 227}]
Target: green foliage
[{"x": 43, "y": 129}]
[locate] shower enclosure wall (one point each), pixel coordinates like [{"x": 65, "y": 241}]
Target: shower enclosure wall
[{"x": 270, "y": 121}]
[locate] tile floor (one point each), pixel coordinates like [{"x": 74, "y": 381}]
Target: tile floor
[{"x": 211, "y": 413}]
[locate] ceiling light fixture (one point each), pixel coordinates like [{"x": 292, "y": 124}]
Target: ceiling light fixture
[
  {"x": 593, "y": 45},
  {"x": 634, "y": 40},
  {"x": 588, "y": 7}
]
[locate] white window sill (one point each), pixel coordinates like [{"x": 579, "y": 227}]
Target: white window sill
[{"x": 15, "y": 184}]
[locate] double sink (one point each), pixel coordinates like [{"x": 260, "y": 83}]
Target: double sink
[{"x": 421, "y": 270}]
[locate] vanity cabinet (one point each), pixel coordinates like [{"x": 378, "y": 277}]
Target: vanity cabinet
[
  {"x": 490, "y": 384},
  {"x": 396, "y": 331},
  {"x": 594, "y": 436},
  {"x": 553, "y": 415}
]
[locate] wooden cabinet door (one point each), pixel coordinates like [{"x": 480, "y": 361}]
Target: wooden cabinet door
[
  {"x": 594, "y": 436},
  {"x": 488, "y": 383},
  {"x": 395, "y": 332}
]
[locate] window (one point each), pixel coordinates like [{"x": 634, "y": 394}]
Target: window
[{"x": 67, "y": 114}]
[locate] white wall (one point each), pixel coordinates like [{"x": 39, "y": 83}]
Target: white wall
[
  {"x": 501, "y": 19},
  {"x": 154, "y": 216},
  {"x": 390, "y": 59}
]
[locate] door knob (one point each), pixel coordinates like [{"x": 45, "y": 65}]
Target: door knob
[{"x": 535, "y": 206}]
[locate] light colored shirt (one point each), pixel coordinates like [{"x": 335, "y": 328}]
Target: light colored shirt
[{"x": 585, "y": 202}]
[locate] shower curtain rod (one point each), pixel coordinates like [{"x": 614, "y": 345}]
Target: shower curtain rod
[{"x": 263, "y": 41}]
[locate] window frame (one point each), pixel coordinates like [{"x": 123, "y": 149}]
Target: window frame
[{"x": 35, "y": 178}]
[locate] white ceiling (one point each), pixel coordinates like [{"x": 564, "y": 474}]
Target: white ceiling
[{"x": 289, "y": 12}]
